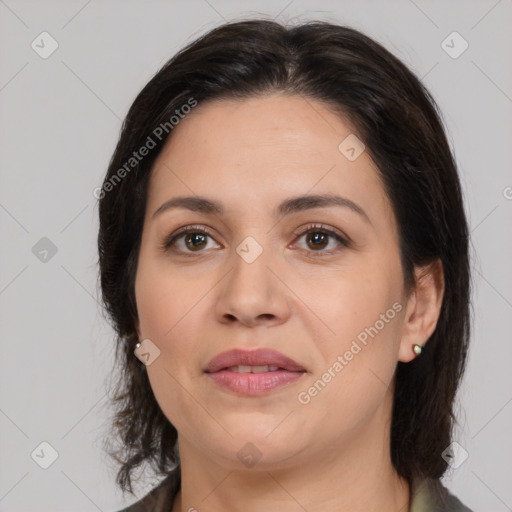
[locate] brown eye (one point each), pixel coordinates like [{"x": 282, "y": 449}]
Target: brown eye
[
  {"x": 318, "y": 237},
  {"x": 195, "y": 240},
  {"x": 189, "y": 239}
]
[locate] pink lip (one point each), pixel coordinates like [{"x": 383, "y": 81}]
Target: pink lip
[
  {"x": 258, "y": 357},
  {"x": 253, "y": 384}
]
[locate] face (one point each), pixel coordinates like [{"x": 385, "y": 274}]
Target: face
[{"x": 321, "y": 284}]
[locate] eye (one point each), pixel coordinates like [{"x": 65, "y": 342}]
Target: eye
[
  {"x": 317, "y": 237},
  {"x": 192, "y": 238}
]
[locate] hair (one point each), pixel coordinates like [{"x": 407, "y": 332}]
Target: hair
[{"x": 400, "y": 124}]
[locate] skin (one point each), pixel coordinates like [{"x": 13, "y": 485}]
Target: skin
[{"x": 332, "y": 453}]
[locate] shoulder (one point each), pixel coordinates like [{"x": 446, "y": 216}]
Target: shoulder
[
  {"x": 427, "y": 496},
  {"x": 432, "y": 496},
  {"x": 453, "y": 504},
  {"x": 159, "y": 499}
]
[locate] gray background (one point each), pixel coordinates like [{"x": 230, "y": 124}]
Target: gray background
[{"x": 60, "y": 119}]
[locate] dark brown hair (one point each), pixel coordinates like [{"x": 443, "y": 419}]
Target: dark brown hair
[{"x": 400, "y": 124}]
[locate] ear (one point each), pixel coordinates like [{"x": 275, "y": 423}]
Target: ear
[{"x": 423, "y": 308}]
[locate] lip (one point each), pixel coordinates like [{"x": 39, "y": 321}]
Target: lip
[
  {"x": 253, "y": 384},
  {"x": 258, "y": 357}
]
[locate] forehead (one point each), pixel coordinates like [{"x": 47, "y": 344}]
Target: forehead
[
  {"x": 276, "y": 122},
  {"x": 253, "y": 152}
]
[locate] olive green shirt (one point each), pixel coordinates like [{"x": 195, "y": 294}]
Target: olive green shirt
[{"x": 427, "y": 496}]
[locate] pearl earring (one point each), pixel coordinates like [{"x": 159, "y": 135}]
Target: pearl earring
[{"x": 417, "y": 349}]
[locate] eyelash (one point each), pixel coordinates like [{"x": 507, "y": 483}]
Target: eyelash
[{"x": 311, "y": 228}]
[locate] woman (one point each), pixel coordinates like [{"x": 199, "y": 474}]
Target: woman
[{"x": 284, "y": 257}]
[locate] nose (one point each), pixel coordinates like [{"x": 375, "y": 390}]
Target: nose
[{"x": 253, "y": 293}]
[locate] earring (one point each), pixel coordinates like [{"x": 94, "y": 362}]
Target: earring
[{"x": 417, "y": 349}]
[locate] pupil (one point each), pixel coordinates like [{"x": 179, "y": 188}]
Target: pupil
[
  {"x": 317, "y": 237},
  {"x": 194, "y": 236}
]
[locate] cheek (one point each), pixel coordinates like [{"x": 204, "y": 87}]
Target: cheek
[
  {"x": 172, "y": 314},
  {"x": 165, "y": 301},
  {"x": 347, "y": 302},
  {"x": 362, "y": 310},
  {"x": 357, "y": 366},
  {"x": 168, "y": 306}
]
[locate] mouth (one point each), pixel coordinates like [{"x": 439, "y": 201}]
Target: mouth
[
  {"x": 253, "y": 373},
  {"x": 253, "y": 361}
]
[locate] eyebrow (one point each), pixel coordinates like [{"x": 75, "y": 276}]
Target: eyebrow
[{"x": 287, "y": 207}]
